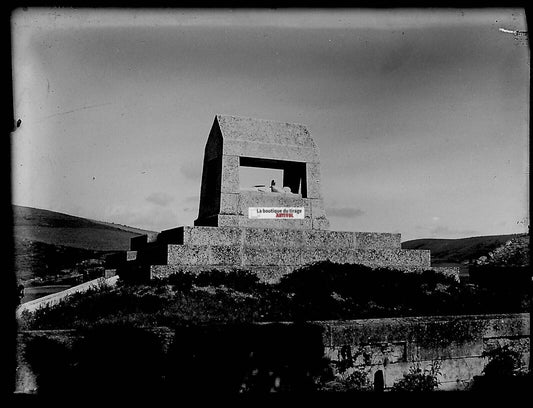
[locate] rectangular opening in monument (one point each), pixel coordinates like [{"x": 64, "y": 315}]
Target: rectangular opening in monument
[
  {"x": 254, "y": 171},
  {"x": 249, "y": 177}
]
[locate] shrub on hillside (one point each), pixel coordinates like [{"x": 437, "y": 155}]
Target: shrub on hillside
[
  {"x": 504, "y": 371},
  {"x": 503, "y": 361},
  {"x": 328, "y": 290},
  {"x": 182, "y": 282},
  {"x": 323, "y": 291},
  {"x": 419, "y": 380},
  {"x": 238, "y": 279}
]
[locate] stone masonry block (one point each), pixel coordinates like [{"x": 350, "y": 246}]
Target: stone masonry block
[
  {"x": 230, "y": 174},
  {"x": 336, "y": 255},
  {"x": 328, "y": 239},
  {"x": 260, "y": 256},
  {"x": 377, "y": 240},
  {"x": 317, "y": 208},
  {"x": 504, "y": 325},
  {"x": 229, "y": 203},
  {"x": 226, "y": 220},
  {"x": 276, "y": 224},
  {"x": 260, "y": 130},
  {"x": 255, "y": 256},
  {"x": 188, "y": 255},
  {"x": 213, "y": 235},
  {"x": 277, "y": 237},
  {"x": 288, "y": 256},
  {"x": 226, "y": 255},
  {"x": 313, "y": 180},
  {"x": 392, "y": 257},
  {"x": 450, "y": 350},
  {"x": 320, "y": 224},
  {"x": 272, "y": 151}
]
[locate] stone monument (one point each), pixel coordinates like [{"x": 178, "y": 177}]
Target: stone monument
[{"x": 267, "y": 231}]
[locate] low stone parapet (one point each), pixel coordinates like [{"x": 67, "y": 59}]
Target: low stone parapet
[{"x": 57, "y": 297}]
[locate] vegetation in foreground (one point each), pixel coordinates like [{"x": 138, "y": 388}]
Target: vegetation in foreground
[{"x": 323, "y": 291}]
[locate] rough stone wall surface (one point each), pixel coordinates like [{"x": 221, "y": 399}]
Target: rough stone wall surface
[
  {"x": 392, "y": 345},
  {"x": 264, "y": 131},
  {"x": 281, "y": 237},
  {"x": 457, "y": 342},
  {"x": 266, "y": 273},
  {"x": 282, "y": 250},
  {"x": 260, "y": 255}
]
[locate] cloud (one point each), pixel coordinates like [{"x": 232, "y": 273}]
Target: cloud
[
  {"x": 192, "y": 170},
  {"x": 161, "y": 198},
  {"x": 344, "y": 212}
]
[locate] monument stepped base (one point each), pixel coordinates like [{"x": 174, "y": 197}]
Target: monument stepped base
[{"x": 269, "y": 253}]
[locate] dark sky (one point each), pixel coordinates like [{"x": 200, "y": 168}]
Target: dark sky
[{"x": 421, "y": 117}]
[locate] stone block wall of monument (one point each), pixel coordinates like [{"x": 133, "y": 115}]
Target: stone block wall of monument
[{"x": 224, "y": 236}]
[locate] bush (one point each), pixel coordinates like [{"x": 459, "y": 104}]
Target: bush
[
  {"x": 503, "y": 361},
  {"x": 238, "y": 279},
  {"x": 332, "y": 291},
  {"x": 419, "y": 380},
  {"x": 357, "y": 381},
  {"x": 182, "y": 282},
  {"x": 504, "y": 371},
  {"x": 323, "y": 291}
]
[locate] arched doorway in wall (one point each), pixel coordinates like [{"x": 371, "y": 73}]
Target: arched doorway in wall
[{"x": 379, "y": 381}]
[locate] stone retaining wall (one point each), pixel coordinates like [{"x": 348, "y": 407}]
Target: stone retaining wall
[
  {"x": 58, "y": 297},
  {"x": 210, "y": 356}
]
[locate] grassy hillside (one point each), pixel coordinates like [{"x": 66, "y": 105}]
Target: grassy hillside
[
  {"x": 49, "y": 227},
  {"x": 450, "y": 251},
  {"x": 47, "y": 241}
]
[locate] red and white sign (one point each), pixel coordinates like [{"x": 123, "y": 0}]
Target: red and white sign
[{"x": 276, "y": 213}]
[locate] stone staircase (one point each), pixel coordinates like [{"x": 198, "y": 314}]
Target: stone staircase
[{"x": 269, "y": 253}]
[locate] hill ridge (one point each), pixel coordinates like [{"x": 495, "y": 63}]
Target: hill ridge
[
  {"x": 46, "y": 241},
  {"x": 461, "y": 250}
]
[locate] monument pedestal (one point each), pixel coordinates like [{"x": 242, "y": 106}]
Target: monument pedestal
[{"x": 269, "y": 253}]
